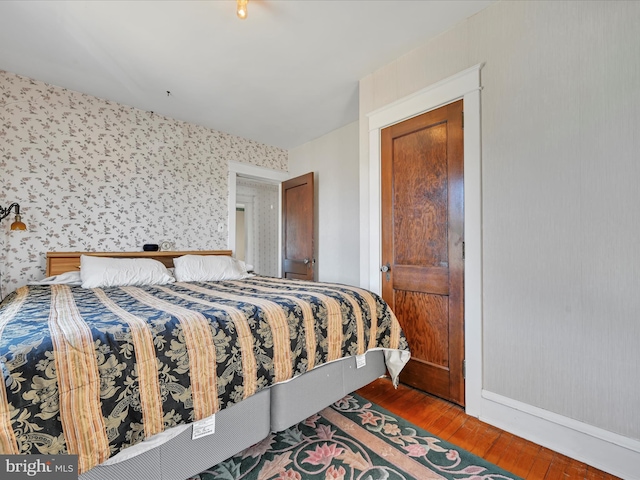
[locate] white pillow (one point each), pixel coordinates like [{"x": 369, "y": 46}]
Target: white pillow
[
  {"x": 208, "y": 268},
  {"x": 246, "y": 266},
  {"x": 115, "y": 272},
  {"x": 68, "y": 278}
]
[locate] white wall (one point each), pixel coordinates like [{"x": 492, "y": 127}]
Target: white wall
[
  {"x": 560, "y": 122},
  {"x": 334, "y": 159}
]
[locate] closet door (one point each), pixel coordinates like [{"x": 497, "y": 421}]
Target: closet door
[{"x": 422, "y": 245}]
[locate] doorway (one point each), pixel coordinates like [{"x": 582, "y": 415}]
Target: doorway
[
  {"x": 423, "y": 245},
  {"x": 258, "y": 202},
  {"x": 244, "y": 227},
  {"x": 464, "y": 85}
]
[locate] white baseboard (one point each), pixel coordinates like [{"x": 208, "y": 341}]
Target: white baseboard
[{"x": 607, "y": 451}]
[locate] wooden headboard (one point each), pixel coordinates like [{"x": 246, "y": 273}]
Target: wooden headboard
[{"x": 62, "y": 262}]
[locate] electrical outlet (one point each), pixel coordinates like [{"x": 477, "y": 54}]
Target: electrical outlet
[{"x": 221, "y": 227}]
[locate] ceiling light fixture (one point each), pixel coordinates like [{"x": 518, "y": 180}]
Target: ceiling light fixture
[{"x": 241, "y": 9}]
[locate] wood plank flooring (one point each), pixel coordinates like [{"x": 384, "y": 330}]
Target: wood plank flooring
[{"x": 449, "y": 422}]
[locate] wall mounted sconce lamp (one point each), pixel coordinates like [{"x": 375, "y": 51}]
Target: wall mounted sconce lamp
[{"x": 17, "y": 225}]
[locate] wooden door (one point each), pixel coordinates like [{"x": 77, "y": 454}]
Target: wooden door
[
  {"x": 297, "y": 228},
  {"x": 423, "y": 245}
]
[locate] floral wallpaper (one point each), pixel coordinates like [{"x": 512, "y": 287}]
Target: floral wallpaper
[{"x": 90, "y": 174}]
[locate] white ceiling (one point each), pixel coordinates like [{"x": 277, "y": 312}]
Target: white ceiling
[{"x": 284, "y": 76}]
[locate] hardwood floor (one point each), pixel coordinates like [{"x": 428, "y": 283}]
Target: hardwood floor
[{"x": 449, "y": 422}]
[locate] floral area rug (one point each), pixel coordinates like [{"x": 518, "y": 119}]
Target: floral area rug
[{"x": 356, "y": 440}]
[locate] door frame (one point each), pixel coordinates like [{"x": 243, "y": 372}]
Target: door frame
[
  {"x": 464, "y": 85},
  {"x": 261, "y": 174}
]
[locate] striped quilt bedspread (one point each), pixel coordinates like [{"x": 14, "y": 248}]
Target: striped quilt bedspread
[{"x": 93, "y": 371}]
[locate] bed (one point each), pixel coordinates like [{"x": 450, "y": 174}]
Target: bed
[{"x": 128, "y": 376}]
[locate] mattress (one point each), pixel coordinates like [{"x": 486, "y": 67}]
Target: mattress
[
  {"x": 236, "y": 428},
  {"x": 96, "y": 371},
  {"x": 292, "y": 402},
  {"x": 246, "y": 423}
]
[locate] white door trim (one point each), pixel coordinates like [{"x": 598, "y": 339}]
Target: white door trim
[{"x": 464, "y": 85}]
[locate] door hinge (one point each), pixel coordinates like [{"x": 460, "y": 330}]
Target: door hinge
[
  {"x": 464, "y": 368},
  {"x": 462, "y": 119},
  {"x": 463, "y": 252}
]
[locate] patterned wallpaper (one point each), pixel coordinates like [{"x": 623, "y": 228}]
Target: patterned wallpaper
[
  {"x": 91, "y": 174},
  {"x": 265, "y": 224}
]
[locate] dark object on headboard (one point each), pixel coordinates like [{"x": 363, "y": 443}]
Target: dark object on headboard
[{"x": 150, "y": 247}]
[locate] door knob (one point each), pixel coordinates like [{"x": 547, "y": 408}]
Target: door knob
[
  {"x": 306, "y": 261},
  {"x": 386, "y": 269}
]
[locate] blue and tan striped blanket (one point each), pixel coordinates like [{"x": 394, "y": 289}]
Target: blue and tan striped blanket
[{"x": 92, "y": 371}]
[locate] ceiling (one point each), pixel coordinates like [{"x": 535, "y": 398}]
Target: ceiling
[{"x": 284, "y": 76}]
